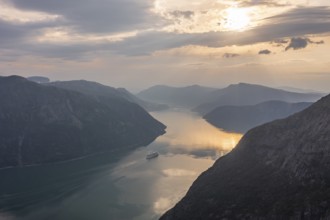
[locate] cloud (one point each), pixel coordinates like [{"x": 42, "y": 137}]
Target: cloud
[
  {"x": 184, "y": 14},
  {"x": 269, "y": 3},
  {"x": 297, "y": 43},
  {"x": 319, "y": 42},
  {"x": 101, "y": 16},
  {"x": 265, "y": 52},
  {"x": 275, "y": 28},
  {"x": 230, "y": 55}
]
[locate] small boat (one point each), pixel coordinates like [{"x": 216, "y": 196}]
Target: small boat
[{"x": 152, "y": 155}]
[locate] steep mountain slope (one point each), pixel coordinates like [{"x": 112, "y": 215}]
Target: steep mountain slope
[
  {"x": 105, "y": 93},
  {"x": 243, "y": 118},
  {"x": 42, "y": 124},
  {"x": 279, "y": 170},
  {"x": 188, "y": 97},
  {"x": 249, "y": 94}
]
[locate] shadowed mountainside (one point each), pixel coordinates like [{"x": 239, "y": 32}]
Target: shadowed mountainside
[
  {"x": 43, "y": 124},
  {"x": 243, "y": 118},
  {"x": 106, "y": 93},
  {"x": 279, "y": 170}
]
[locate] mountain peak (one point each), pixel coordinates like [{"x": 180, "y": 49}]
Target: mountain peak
[{"x": 13, "y": 78}]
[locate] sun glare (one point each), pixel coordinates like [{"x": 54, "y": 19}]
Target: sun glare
[{"x": 236, "y": 19}]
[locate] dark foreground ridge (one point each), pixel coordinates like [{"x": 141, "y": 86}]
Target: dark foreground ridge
[
  {"x": 44, "y": 124},
  {"x": 279, "y": 170}
]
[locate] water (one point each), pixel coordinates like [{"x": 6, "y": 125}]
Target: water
[{"x": 121, "y": 185}]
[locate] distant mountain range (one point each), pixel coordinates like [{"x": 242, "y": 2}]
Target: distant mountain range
[
  {"x": 243, "y": 118},
  {"x": 204, "y": 99},
  {"x": 188, "y": 97},
  {"x": 43, "y": 123},
  {"x": 249, "y": 94},
  {"x": 39, "y": 79},
  {"x": 103, "y": 92},
  {"x": 279, "y": 170}
]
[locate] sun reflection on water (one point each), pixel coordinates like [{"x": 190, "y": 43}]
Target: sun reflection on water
[{"x": 194, "y": 133}]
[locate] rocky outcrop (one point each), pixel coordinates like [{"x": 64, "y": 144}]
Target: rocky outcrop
[
  {"x": 44, "y": 124},
  {"x": 279, "y": 170}
]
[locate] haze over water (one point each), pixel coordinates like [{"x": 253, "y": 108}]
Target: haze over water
[{"x": 120, "y": 185}]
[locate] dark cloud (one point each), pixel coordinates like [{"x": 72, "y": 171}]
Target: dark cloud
[
  {"x": 13, "y": 34},
  {"x": 319, "y": 42},
  {"x": 183, "y": 14},
  {"x": 269, "y": 3},
  {"x": 304, "y": 14},
  {"x": 297, "y": 43},
  {"x": 230, "y": 55},
  {"x": 280, "y": 41},
  {"x": 265, "y": 52},
  {"x": 102, "y": 16}
]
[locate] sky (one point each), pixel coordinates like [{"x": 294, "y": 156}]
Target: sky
[{"x": 139, "y": 43}]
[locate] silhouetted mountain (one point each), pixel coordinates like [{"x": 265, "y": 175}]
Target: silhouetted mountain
[
  {"x": 243, "y": 118},
  {"x": 104, "y": 93},
  {"x": 249, "y": 94},
  {"x": 39, "y": 79},
  {"x": 293, "y": 89},
  {"x": 149, "y": 106},
  {"x": 279, "y": 170},
  {"x": 42, "y": 124},
  {"x": 188, "y": 97}
]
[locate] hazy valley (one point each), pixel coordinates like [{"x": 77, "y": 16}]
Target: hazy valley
[
  {"x": 164, "y": 109},
  {"x": 104, "y": 127}
]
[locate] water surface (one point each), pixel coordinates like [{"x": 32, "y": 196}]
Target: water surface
[{"x": 120, "y": 185}]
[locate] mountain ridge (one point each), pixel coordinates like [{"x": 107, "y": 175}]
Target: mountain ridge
[
  {"x": 100, "y": 91},
  {"x": 278, "y": 170},
  {"x": 45, "y": 124},
  {"x": 251, "y": 94},
  {"x": 242, "y": 118}
]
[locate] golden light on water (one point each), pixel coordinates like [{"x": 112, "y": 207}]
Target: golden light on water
[
  {"x": 193, "y": 133},
  {"x": 236, "y": 19}
]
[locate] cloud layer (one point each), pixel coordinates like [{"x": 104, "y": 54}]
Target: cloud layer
[{"x": 135, "y": 27}]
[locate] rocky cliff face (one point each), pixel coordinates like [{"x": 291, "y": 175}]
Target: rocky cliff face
[
  {"x": 279, "y": 170},
  {"x": 42, "y": 124}
]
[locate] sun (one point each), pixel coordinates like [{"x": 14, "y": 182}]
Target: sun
[{"x": 236, "y": 19}]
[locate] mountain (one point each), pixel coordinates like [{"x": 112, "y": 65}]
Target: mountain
[
  {"x": 44, "y": 124},
  {"x": 39, "y": 79},
  {"x": 293, "y": 89},
  {"x": 250, "y": 94},
  {"x": 279, "y": 170},
  {"x": 243, "y": 118},
  {"x": 188, "y": 97},
  {"x": 103, "y": 92},
  {"x": 149, "y": 106}
]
